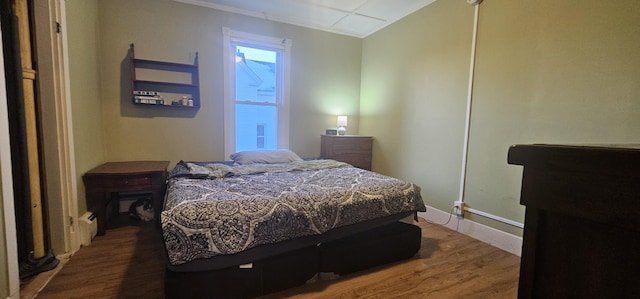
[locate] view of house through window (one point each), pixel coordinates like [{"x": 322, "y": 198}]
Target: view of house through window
[
  {"x": 256, "y": 109},
  {"x": 256, "y": 91}
]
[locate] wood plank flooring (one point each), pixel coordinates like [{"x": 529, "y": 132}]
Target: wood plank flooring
[{"x": 128, "y": 263}]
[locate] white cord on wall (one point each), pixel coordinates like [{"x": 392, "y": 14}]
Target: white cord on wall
[
  {"x": 459, "y": 206},
  {"x": 465, "y": 148}
]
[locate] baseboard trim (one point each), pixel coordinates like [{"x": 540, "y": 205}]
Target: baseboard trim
[{"x": 497, "y": 238}]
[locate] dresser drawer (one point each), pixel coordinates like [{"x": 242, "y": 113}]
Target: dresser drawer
[
  {"x": 355, "y": 159},
  {"x": 355, "y": 150},
  {"x": 352, "y": 147}
]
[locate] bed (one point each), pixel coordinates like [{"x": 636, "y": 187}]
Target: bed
[{"x": 253, "y": 226}]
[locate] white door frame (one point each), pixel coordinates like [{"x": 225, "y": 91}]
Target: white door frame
[
  {"x": 57, "y": 129},
  {"x": 6, "y": 187}
]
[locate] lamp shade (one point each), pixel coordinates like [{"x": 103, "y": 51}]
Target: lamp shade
[{"x": 342, "y": 121}]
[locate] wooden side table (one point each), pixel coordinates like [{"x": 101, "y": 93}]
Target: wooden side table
[
  {"x": 352, "y": 149},
  {"x": 115, "y": 177}
]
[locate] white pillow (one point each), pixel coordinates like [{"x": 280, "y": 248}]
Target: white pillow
[{"x": 266, "y": 157}]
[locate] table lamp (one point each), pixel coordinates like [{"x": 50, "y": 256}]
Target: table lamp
[{"x": 342, "y": 123}]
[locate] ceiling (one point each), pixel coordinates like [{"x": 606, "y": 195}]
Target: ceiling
[{"x": 358, "y": 18}]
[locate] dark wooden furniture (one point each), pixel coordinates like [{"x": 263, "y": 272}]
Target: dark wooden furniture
[
  {"x": 582, "y": 223},
  {"x": 173, "y": 81},
  {"x": 355, "y": 150},
  {"x": 114, "y": 177},
  {"x": 351, "y": 253}
]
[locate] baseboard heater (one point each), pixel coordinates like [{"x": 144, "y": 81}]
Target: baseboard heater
[{"x": 88, "y": 227}]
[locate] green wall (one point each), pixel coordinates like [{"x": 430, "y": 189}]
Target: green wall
[
  {"x": 325, "y": 72},
  {"x": 414, "y": 79},
  {"x": 86, "y": 99},
  {"x": 546, "y": 72}
]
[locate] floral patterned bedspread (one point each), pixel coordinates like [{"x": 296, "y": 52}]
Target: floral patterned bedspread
[{"x": 206, "y": 216}]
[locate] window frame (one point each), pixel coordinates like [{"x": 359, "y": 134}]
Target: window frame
[{"x": 232, "y": 38}]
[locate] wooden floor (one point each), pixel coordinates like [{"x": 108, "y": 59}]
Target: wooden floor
[{"x": 128, "y": 263}]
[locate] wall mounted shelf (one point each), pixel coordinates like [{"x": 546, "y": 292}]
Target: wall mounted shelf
[{"x": 164, "y": 84}]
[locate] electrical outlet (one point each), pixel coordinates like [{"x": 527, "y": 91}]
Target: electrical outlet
[{"x": 458, "y": 208}]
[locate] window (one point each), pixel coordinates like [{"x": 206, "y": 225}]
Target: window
[
  {"x": 256, "y": 91},
  {"x": 260, "y": 136}
]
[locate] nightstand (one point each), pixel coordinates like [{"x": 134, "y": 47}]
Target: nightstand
[
  {"x": 115, "y": 177},
  {"x": 352, "y": 149}
]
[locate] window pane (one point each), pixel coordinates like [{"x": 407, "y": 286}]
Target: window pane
[
  {"x": 260, "y": 142},
  {"x": 255, "y": 74},
  {"x": 248, "y": 117},
  {"x": 260, "y": 130},
  {"x": 260, "y": 134}
]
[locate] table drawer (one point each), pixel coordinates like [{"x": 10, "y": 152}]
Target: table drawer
[
  {"x": 125, "y": 182},
  {"x": 134, "y": 181}
]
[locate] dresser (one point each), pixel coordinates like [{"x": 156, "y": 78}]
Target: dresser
[
  {"x": 352, "y": 149},
  {"x": 582, "y": 221},
  {"x": 103, "y": 183}
]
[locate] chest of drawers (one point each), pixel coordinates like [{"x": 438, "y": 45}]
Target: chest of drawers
[{"x": 352, "y": 149}]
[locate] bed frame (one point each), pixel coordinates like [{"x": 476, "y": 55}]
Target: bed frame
[
  {"x": 363, "y": 250},
  {"x": 275, "y": 267}
]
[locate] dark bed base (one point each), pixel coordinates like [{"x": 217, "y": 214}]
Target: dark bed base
[
  {"x": 378, "y": 246},
  {"x": 266, "y": 276},
  {"x": 391, "y": 243}
]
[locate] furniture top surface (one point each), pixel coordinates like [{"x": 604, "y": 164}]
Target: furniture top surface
[
  {"x": 590, "y": 182},
  {"x": 619, "y": 158},
  {"x": 542, "y": 146},
  {"x": 525, "y": 152},
  {"x": 346, "y": 136},
  {"x": 130, "y": 167}
]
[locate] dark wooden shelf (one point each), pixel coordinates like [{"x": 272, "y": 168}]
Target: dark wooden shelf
[
  {"x": 170, "y": 90},
  {"x": 168, "y": 106},
  {"x": 155, "y": 64},
  {"x": 166, "y": 83}
]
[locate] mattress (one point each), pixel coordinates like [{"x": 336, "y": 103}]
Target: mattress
[{"x": 218, "y": 215}]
